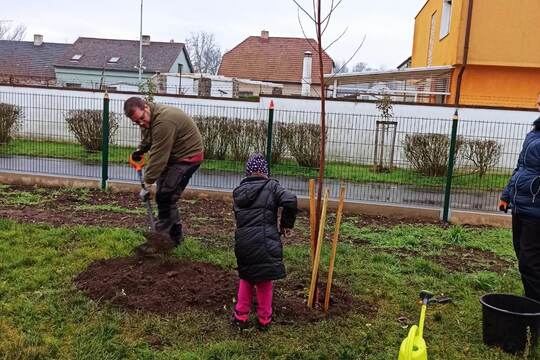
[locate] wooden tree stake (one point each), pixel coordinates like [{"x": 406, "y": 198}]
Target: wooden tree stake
[
  {"x": 316, "y": 261},
  {"x": 334, "y": 249}
]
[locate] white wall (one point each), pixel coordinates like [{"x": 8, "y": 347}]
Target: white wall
[
  {"x": 508, "y": 127},
  {"x": 351, "y": 125},
  {"x": 45, "y": 110}
]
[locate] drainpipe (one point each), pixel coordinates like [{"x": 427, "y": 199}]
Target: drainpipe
[{"x": 465, "y": 52}]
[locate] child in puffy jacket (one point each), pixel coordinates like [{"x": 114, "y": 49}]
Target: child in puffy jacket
[{"x": 258, "y": 247}]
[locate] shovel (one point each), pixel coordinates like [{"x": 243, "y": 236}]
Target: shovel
[
  {"x": 157, "y": 242},
  {"x": 138, "y": 166}
]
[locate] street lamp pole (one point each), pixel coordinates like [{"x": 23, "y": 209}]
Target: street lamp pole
[{"x": 140, "y": 46}]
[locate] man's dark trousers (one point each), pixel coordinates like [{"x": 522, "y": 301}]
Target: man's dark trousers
[{"x": 170, "y": 186}]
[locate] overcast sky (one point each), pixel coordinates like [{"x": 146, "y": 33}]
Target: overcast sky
[{"x": 387, "y": 24}]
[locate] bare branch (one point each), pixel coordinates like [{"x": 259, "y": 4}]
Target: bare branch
[
  {"x": 327, "y": 17},
  {"x": 346, "y": 62},
  {"x": 339, "y": 37},
  {"x": 7, "y": 32},
  {"x": 332, "y": 8},
  {"x": 204, "y": 53},
  {"x": 303, "y": 32},
  {"x": 303, "y": 10}
]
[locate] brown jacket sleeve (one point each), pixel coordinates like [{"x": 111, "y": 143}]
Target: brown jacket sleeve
[
  {"x": 163, "y": 137},
  {"x": 146, "y": 140}
]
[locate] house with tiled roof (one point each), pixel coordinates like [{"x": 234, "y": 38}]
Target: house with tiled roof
[
  {"x": 94, "y": 62},
  {"x": 29, "y": 62},
  {"x": 290, "y": 61}
]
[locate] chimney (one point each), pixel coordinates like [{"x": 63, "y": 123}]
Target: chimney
[
  {"x": 265, "y": 34},
  {"x": 146, "y": 40},
  {"x": 306, "y": 74},
  {"x": 38, "y": 40}
]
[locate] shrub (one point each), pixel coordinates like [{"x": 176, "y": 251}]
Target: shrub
[
  {"x": 484, "y": 154},
  {"x": 260, "y": 133},
  {"x": 215, "y": 134},
  {"x": 428, "y": 153},
  {"x": 278, "y": 141},
  {"x": 243, "y": 138},
  {"x": 303, "y": 141},
  {"x": 86, "y": 125},
  {"x": 10, "y": 121}
]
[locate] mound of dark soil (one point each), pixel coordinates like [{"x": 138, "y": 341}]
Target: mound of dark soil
[{"x": 168, "y": 285}]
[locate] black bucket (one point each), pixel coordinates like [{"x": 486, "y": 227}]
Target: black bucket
[{"x": 510, "y": 321}]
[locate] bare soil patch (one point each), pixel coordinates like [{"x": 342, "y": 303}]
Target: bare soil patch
[{"x": 168, "y": 285}]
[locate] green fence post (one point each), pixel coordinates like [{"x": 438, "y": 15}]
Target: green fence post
[
  {"x": 269, "y": 134},
  {"x": 450, "y": 172},
  {"x": 105, "y": 143}
]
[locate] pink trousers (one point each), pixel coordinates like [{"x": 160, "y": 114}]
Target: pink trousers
[{"x": 263, "y": 292}]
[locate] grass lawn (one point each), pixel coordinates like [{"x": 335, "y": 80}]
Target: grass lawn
[
  {"x": 43, "y": 316},
  {"x": 343, "y": 171}
]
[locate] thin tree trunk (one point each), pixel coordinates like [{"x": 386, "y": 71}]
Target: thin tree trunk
[
  {"x": 323, "y": 127},
  {"x": 322, "y": 147}
]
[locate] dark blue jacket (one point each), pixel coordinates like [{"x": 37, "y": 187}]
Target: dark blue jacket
[
  {"x": 523, "y": 189},
  {"x": 258, "y": 248}
]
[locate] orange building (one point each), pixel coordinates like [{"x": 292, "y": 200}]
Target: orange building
[{"x": 492, "y": 45}]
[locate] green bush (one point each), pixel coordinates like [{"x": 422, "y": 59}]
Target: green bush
[
  {"x": 243, "y": 139},
  {"x": 10, "y": 121},
  {"x": 236, "y": 139},
  {"x": 483, "y": 154},
  {"x": 279, "y": 142},
  {"x": 215, "y": 133},
  {"x": 86, "y": 125},
  {"x": 303, "y": 141},
  {"x": 428, "y": 153}
]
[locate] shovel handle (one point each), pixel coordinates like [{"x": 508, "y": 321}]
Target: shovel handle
[
  {"x": 137, "y": 165},
  {"x": 149, "y": 210},
  {"x": 139, "y": 175}
]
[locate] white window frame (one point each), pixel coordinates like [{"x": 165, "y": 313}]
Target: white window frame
[
  {"x": 446, "y": 18},
  {"x": 431, "y": 41},
  {"x": 76, "y": 57},
  {"x": 113, "y": 60}
]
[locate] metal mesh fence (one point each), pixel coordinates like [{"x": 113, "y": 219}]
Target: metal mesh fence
[{"x": 399, "y": 160}]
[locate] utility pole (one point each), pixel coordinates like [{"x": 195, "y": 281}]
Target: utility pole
[{"x": 140, "y": 46}]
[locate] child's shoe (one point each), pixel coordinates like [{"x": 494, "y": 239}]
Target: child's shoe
[
  {"x": 239, "y": 324},
  {"x": 263, "y": 327}
]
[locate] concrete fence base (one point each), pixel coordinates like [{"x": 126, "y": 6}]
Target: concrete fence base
[{"x": 350, "y": 207}]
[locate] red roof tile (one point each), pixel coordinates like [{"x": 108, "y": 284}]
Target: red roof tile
[{"x": 276, "y": 59}]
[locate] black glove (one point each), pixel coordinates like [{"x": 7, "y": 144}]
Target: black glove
[{"x": 137, "y": 155}]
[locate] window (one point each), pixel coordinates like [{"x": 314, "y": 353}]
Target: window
[
  {"x": 431, "y": 36},
  {"x": 446, "y": 16},
  {"x": 113, "y": 60},
  {"x": 76, "y": 57},
  {"x": 73, "y": 85}
]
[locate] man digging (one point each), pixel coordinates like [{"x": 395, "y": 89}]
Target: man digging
[{"x": 175, "y": 149}]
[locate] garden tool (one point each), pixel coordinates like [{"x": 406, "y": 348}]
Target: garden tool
[
  {"x": 414, "y": 346},
  {"x": 138, "y": 166},
  {"x": 157, "y": 242}
]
